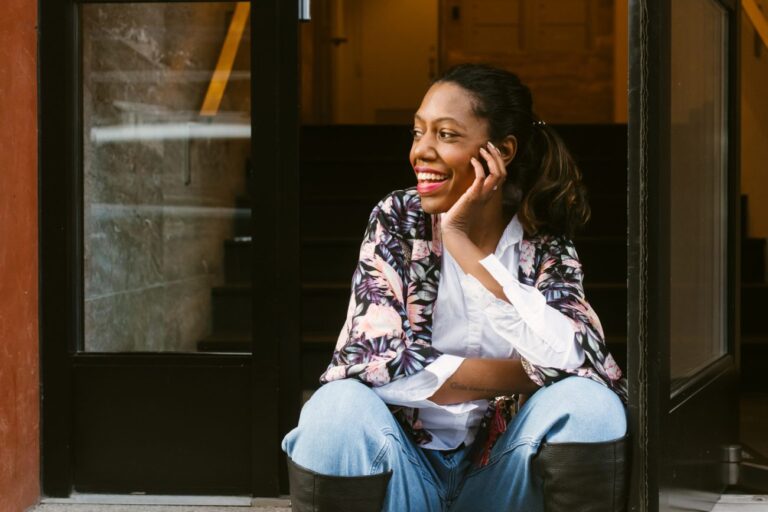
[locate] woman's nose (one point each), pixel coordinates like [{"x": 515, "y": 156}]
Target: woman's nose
[{"x": 423, "y": 147}]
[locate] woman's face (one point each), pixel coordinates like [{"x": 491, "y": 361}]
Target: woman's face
[{"x": 447, "y": 134}]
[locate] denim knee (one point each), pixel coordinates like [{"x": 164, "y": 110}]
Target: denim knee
[
  {"x": 590, "y": 412},
  {"x": 343, "y": 420}
]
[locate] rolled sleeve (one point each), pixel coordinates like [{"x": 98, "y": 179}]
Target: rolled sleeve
[
  {"x": 415, "y": 390},
  {"x": 536, "y": 330}
]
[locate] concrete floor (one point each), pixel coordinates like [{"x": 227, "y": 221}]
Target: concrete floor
[
  {"x": 152, "y": 508},
  {"x": 729, "y": 503},
  {"x": 257, "y": 505}
]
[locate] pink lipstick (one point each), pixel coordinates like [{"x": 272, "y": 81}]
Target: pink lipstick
[{"x": 429, "y": 180}]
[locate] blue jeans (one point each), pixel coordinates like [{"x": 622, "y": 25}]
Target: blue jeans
[{"x": 346, "y": 430}]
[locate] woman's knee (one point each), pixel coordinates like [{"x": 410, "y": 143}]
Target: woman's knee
[
  {"x": 341, "y": 431},
  {"x": 591, "y": 412},
  {"x": 337, "y": 413}
]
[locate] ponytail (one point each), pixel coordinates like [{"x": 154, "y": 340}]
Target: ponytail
[{"x": 556, "y": 200}]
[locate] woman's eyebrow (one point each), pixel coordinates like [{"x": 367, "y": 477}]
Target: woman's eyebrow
[{"x": 417, "y": 117}]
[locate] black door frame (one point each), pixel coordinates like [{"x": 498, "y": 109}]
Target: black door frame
[
  {"x": 658, "y": 471},
  {"x": 271, "y": 374}
]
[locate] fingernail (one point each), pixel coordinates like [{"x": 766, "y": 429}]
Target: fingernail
[{"x": 490, "y": 145}]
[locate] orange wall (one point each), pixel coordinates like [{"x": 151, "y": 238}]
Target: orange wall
[
  {"x": 754, "y": 128},
  {"x": 620, "y": 61},
  {"x": 19, "y": 373}
]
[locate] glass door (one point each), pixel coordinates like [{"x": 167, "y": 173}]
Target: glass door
[
  {"x": 168, "y": 130},
  {"x": 684, "y": 227}
]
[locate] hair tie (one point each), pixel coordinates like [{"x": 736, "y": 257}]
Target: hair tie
[{"x": 539, "y": 123}]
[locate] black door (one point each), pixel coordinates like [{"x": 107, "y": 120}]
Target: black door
[
  {"x": 683, "y": 250},
  {"x": 169, "y": 221}
]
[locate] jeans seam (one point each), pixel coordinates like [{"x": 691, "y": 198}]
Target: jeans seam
[
  {"x": 523, "y": 441},
  {"x": 391, "y": 437},
  {"x": 379, "y": 456}
]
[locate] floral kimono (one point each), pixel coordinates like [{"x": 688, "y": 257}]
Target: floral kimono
[{"x": 387, "y": 334}]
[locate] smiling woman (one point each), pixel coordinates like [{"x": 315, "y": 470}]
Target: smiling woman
[{"x": 468, "y": 341}]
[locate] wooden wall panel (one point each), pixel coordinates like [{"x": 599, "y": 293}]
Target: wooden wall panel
[{"x": 562, "y": 49}]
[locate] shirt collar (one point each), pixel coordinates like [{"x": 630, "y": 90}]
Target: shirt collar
[{"x": 512, "y": 234}]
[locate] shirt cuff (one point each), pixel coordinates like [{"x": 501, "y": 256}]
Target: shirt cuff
[
  {"x": 414, "y": 390},
  {"x": 560, "y": 348}
]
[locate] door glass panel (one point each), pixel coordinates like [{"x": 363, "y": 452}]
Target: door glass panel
[
  {"x": 165, "y": 152},
  {"x": 698, "y": 185}
]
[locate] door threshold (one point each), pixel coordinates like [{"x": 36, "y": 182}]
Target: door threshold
[
  {"x": 153, "y": 499},
  {"x": 741, "y": 503}
]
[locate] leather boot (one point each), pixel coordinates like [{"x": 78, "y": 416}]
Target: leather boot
[
  {"x": 584, "y": 477},
  {"x": 313, "y": 492}
]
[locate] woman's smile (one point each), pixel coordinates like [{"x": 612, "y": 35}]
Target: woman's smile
[{"x": 429, "y": 179}]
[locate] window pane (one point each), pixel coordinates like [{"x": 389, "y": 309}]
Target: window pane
[
  {"x": 698, "y": 185},
  {"x": 166, "y": 143}
]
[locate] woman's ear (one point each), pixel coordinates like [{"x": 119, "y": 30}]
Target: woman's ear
[{"x": 508, "y": 148}]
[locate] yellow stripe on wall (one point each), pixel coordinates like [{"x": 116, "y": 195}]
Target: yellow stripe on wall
[
  {"x": 226, "y": 58},
  {"x": 758, "y": 19}
]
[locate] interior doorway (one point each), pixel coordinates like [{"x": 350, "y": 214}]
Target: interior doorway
[{"x": 575, "y": 55}]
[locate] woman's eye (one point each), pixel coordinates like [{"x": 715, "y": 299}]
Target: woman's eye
[
  {"x": 416, "y": 133},
  {"x": 446, "y": 135}
]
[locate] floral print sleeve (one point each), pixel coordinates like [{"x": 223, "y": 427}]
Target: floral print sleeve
[
  {"x": 551, "y": 265},
  {"x": 388, "y": 329}
]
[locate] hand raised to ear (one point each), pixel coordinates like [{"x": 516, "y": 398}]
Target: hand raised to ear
[{"x": 463, "y": 215}]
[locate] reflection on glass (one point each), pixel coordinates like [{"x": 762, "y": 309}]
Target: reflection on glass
[
  {"x": 166, "y": 140},
  {"x": 698, "y": 185}
]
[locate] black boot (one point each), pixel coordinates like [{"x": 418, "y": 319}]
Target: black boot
[
  {"x": 583, "y": 477},
  {"x": 313, "y": 492}
]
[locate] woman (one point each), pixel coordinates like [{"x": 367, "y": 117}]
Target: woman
[{"x": 467, "y": 298}]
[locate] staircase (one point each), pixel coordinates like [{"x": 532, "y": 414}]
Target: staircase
[{"x": 346, "y": 170}]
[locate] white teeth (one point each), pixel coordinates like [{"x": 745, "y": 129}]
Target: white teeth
[{"x": 428, "y": 176}]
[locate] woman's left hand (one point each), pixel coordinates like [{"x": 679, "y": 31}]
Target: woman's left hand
[{"x": 464, "y": 213}]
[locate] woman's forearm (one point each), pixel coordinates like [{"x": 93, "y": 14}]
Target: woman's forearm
[{"x": 477, "y": 379}]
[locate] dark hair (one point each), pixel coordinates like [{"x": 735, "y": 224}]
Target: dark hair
[{"x": 543, "y": 184}]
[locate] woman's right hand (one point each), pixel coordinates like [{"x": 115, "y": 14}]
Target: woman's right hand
[{"x": 462, "y": 216}]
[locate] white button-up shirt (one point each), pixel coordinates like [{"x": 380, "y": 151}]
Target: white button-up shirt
[{"x": 470, "y": 322}]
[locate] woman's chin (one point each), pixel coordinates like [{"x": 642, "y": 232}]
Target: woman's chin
[{"x": 434, "y": 205}]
